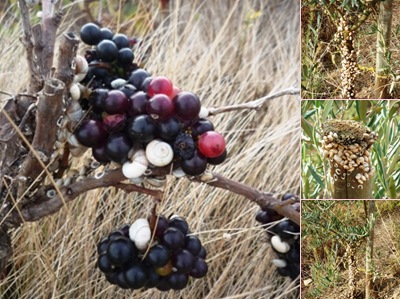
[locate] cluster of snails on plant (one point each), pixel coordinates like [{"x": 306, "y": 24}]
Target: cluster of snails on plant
[
  {"x": 345, "y": 35},
  {"x": 346, "y": 144}
]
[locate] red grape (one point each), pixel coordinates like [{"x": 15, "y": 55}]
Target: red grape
[
  {"x": 161, "y": 85},
  {"x": 211, "y": 144}
]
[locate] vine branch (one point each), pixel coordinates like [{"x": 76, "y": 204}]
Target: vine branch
[{"x": 256, "y": 104}]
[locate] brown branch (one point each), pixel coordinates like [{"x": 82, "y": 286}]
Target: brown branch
[
  {"x": 256, "y": 104},
  {"x": 261, "y": 198},
  {"x": 49, "y": 110},
  {"x": 35, "y": 82}
]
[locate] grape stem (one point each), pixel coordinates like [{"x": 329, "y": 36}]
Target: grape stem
[
  {"x": 256, "y": 104},
  {"x": 41, "y": 205}
]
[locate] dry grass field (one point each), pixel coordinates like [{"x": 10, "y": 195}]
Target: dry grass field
[{"x": 227, "y": 52}]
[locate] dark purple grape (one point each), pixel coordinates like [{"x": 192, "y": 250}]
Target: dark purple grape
[
  {"x": 125, "y": 56},
  {"x": 187, "y": 105},
  {"x": 173, "y": 238},
  {"x": 193, "y": 244},
  {"x": 96, "y": 74},
  {"x": 136, "y": 276},
  {"x": 112, "y": 277},
  {"x": 218, "y": 160},
  {"x": 162, "y": 225},
  {"x": 178, "y": 281},
  {"x": 184, "y": 146},
  {"x": 293, "y": 255},
  {"x": 129, "y": 90},
  {"x": 201, "y": 126},
  {"x": 294, "y": 270},
  {"x": 262, "y": 217},
  {"x": 158, "y": 256},
  {"x": 121, "y": 40},
  {"x": 203, "y": 253},
  {"x": 285, "y": 271},
  {"x": 125, "y": 229},
  {"x": 118, "y": 146},
  {"x": 114, "y": 123},
  {"x": 90, "y": 34},
  {"x": 96, "y": 99},
  {"x": 115, "y": 103},
  {"x": 152, "y": 278},
  {"x": 194, "y": 166},
  {"x": 137, "y": 103},
  {"x": 137, "y": 77},
  {"x": 146, "y": 83},
  {"x": 106, "y": 33},
  {"x": 160, "y": 107},
  {"x": 99, "y": 153},
  {"x": 200, "y": 268},
  {"x": 121, "y": 281},
  {"x": 163, "y": 284},
  {"x": 107, "y": 51},
  {"x": 169, "y": 129},
  {"x": 115, "y": 234},
  {"x": 102, "y": 246},
  {"x": 179, "y": 223},
  {"x": 104, "y": 263},
  {"x": 285, "y": 229},
  {"x": 91, "y": 133},
  {"x": 121, "y": 250},
  {"x": 183, "y": 261},
  {"x": 141, "y": 128}
]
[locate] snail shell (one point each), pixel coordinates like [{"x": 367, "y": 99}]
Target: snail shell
[
  {"x": 279, "y": 245},
  {"x": 178, "y": 172},
  {"x": 203, "y": 112},
  {"x": 118, "y": 83},
  {"x": 140, "y": 233},
  {"x": 74, "y": 111},
  {"x": 137, "y": 167},
  {"x": 81, "y": 68},
  {"x": 75, "y": 91},
  {"x": 159, "y": 153},
  {"x": 280, "y": 263}
]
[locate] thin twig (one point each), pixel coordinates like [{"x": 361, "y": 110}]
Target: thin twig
[{"x": 256, "y": 104}]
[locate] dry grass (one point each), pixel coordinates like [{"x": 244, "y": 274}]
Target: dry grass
[{"x": 220, "y": 51}]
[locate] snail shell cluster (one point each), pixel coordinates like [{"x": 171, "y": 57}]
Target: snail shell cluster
[
  {"x": 349, "y": 151},
  {"x": 140, "y": 233},
  {"x": 350, "y": 70}
]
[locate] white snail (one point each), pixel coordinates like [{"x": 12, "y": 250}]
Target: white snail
[
  {"x": 178, "y": 172},
  {"x": 279, "y": 245},
  {"x": 74, "y": 111},
  {"x": 137, "y": 167},
  {"x": 280, "y": 263},
  {"x": 140, "y": 233},
  {"x": 75, "y": 91},
  {"x": 203, "y": 112},
  {"x": 118, "y": 83},
  {"x": 81, "y": 68},
  {"x": 159, "y": 153}
]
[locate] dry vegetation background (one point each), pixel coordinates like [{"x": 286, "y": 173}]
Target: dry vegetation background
[
  {"x": 321, "y": 62},
  {"x": 227, "y": 52},
  {"x": 326, "y": 266}
]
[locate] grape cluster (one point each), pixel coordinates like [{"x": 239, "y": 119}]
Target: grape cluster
[
  {"x": 284, "y": 238},
  {"x": 131, "y": 260},
  {"x": 127, "y": 109}
]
